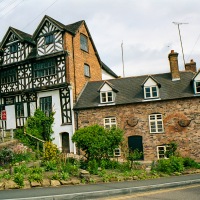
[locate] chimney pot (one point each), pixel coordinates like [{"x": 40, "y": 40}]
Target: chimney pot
[{"x": 172, "y": 51}]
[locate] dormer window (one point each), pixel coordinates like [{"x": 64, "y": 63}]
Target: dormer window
[
  {"x": 13, "y": 48},
  {"x": 106, "y": 97},
  {"x": 151, "y": 88},
  {"x": 151, "y": 92},
  {"x": 197, "y": 87},
  {"x": 49, "y": 39}
]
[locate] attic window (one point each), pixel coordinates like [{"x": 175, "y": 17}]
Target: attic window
[
  {"x": 13, "y": 48},
  {"x": 151, "y": 92},
  {"x": 107, "y": 97},
  {"x": 84, "y": 42},
  {"x": 49, "y": 39},
  {"x": 197, "y": 84}
]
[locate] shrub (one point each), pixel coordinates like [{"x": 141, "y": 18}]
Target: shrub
[
  {"x": 19, "y": 179},
  {"x": 97, "y": 142},
  {"x": 50, "y": 165},
  {"x": 93, "y": 166},
  {"x": 190, "y": 163},
  {"x": 36, "y": 174},
  {"x": 173, "y": 164},
  {"x": 51, "y": 151},
  {"x": 22, "y": 169},
  {"x": 133, "y": 156},
  {"x": 6, "y": 156}
]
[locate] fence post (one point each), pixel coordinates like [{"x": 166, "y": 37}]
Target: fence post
[{"x": 2, "y": 135}]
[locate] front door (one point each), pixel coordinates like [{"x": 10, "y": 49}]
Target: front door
[
  {"x": 135, "y": 142},
  {"x": 65, "y": 143}
]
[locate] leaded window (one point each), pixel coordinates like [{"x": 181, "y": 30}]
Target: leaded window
[
  {"x": 110, "y": 122},
  {"x": 84, "y": 42},
  {"x": 156, "y": 123},
  {"x": 19, "y": 110},
  {"x": 49, "y": 39},
  {"x": 44, "y": 68},
  {"x": 106, "y": 97},
  {"x": 8, "y": 75},
  {"x": 151, "y": 92},
  {"x": 46, "y": 105},
  {"x": 13, "y": 48}
]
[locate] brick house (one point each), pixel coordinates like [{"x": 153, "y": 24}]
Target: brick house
[
  {"x": 47, "y": 70},
  {"x": 153, "y": 110}
]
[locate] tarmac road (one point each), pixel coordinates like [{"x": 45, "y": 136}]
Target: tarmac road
[{"x": 95, "y": 191}]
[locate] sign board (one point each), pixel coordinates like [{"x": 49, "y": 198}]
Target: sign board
[{"x": 3, "y": 115}]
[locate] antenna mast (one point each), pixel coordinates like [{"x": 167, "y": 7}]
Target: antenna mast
[
  {"x": 178, "y": 24},
  {"x": 122, "y": 59}
]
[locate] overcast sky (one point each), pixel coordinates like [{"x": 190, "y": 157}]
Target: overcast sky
[{"x": 144, "y": 26}]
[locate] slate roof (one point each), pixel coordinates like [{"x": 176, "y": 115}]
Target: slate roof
[
  {"x": 108, "y": 70},
  {"x": 131, "y": 91}
]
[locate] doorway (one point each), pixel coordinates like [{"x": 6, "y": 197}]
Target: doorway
[{"x": 65, "y": 143}]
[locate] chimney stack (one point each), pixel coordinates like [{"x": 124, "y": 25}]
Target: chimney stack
[
  {"x": 191, "y": 66},
  {"x": 173, "y": 61}
]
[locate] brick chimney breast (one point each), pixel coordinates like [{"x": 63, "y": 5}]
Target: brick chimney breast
[
  {"x": 191, "y": 66},
  {"x": 173, "y": 61}
]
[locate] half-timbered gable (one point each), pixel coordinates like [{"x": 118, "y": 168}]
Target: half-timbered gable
[
  {"x": 16, "y": 46},
  {"x": 49, "y": 36}
]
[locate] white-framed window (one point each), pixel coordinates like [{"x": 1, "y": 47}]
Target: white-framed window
[
  {"x": 156, "y": 123},
  {"x": 86, "y": 70},
  {"x": 110, "y": 122},
  {"x": 106, "y": 97},
  {"x": 197, "y": 87},
  {"x": 84, "y": 42},
  {"x": 117, "y": 152},
  {"x": 151, "y": 92},
  {"x": 161, "y": 151}
]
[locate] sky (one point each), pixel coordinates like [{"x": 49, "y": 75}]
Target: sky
[{"x": 143, "y": 29}]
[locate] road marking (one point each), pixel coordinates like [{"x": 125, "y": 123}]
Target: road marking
[{"x": 150, "y": 193}]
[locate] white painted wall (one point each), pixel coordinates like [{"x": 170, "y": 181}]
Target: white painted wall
[
  {"x": 10, "y": 112},
  {"x": 106, "y": 76},
  {"x": 58, "y": 128}
]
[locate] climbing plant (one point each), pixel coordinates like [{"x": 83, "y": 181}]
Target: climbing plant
[{"x": 40, "y": 125}]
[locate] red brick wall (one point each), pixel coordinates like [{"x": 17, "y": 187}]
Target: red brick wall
[
  {"x": 76, "y": 64},
  {"x": 187, "y": 138}
]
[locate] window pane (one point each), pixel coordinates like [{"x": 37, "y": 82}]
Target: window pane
[
  {"x": 198, "y": 86},
  {"x": 84, "y": 43},
  {"x": 110, "y": 96},
  {"x": 87, "y": 70}
]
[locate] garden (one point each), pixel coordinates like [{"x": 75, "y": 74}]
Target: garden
[{"x": 24, "y": 166}]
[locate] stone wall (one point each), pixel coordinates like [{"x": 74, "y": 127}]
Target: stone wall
[{"x": 181, "y": 119}]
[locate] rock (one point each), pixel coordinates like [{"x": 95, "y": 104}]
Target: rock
[
  {"x": 66, "y": 182},
  {"x": 85, "y": 175},
  {"x": 55, "y": 183},
  {"x": 75, "y": 181},
  {"x": 35, "y": 184},
  {"x": 27, "y": 184},
  {"x": 45, "y": 183},
  {"x": 10, "y": 184},
  {"x": 2, "y": 185}
]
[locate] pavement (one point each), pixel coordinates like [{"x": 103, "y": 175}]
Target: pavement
[{"x": 100, "y": 190}]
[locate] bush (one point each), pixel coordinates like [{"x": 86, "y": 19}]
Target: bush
[
  {"x": 190, "y": 163},
  {"x": 93, "y": 166},
  {"x": 97, "y": 142},
  {"x": 19, "y": 179},
  {"x": 6, "y": 156},
  {"x": 51, "y": 151},
  {"x": 36, "y": 174},
  {"x": 50, "y": 165},
  {"x": 22, "y": 169},
  {"x": 171, "y": 165}
]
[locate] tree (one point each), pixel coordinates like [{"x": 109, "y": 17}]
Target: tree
[{"x": 97, "y": 142}]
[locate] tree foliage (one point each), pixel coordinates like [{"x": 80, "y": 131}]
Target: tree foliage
[
  {"x": 97, "y": 142},
  {"x": 40, "y": 125}
]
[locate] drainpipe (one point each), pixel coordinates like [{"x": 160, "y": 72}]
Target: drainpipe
[{"x": 74, "y": 69}]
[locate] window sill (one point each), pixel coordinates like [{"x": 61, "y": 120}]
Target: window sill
[
  {"x": 65, "y": 124},
  {"x": 152, "y": 99},
  {"x": 106, "y": 104}
]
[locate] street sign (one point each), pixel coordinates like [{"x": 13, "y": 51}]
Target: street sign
[{"x": 3, "y": 115}]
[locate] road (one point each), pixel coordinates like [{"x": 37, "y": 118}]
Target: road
[{"x": 191, "y": 192}]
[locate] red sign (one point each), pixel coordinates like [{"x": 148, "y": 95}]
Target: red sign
[{"x": 3, "y": 115}]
